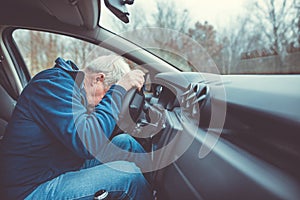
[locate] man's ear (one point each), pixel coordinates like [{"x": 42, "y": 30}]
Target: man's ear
[{"x": 100, "y": 77}]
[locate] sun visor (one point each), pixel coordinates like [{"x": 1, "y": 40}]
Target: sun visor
[{"x": 74, "y": 12}]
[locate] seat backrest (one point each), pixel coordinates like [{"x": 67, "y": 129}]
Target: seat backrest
[{"x": 7, "y": 105}]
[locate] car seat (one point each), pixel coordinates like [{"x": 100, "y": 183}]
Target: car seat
[{"x": 7, "y": 105}]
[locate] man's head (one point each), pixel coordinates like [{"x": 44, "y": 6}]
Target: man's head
[{"x": 100, "y": 74}]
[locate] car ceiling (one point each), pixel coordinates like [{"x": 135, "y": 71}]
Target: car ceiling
[{"x": 83, "y": 14}]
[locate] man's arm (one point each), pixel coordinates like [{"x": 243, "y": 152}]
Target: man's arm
[{"x": 56, "y": 104}]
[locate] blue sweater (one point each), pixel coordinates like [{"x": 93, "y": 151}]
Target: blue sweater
[{"x": 51, "y": 130}]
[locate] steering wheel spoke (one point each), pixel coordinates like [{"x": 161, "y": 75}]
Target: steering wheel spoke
[{"x": 131, "y": 110}]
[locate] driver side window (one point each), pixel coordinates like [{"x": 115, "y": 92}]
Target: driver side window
[{"x": 40, "y": 49}]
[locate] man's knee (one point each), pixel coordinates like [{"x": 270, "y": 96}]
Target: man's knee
[
  {"x": 124, "y": 141},
  {"x": 122, "y": 138}
]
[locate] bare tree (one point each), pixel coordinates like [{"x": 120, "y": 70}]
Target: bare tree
[
  {"x": 40, "y": 49},
  {"x": 276, "y": 21},
  {"x": 159, "y": 30},
  {"x": 170, "y": 36},
  {"x": 240, "y": 37},
  {"x": 205, "y": 35},
  {"x": 296, "y": 22},
  {"x": 80, "y": 51}
]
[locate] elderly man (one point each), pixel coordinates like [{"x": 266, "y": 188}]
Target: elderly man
[{"x": 52, "y": 144}]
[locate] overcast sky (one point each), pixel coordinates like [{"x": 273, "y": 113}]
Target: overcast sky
[
  {"x": 214, "y": 11},
  {"x": 218, "y": 13}
]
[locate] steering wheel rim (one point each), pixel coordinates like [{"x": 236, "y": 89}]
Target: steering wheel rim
[{"x": 131, "y": 109}]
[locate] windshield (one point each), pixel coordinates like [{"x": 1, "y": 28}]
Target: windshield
[{"x": 236, "y": 36}]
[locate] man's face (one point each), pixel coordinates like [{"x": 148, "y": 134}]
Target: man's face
[{"x": 95, "y": 87}]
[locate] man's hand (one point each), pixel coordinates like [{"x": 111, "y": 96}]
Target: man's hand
[{"x": 134, "y": 78}]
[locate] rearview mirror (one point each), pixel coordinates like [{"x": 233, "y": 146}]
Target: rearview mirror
[{"x": 118, "y": 8}]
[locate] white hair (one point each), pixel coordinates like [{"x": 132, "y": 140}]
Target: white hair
[{"x": 113, "y": 66}]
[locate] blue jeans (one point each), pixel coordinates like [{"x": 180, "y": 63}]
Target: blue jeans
[{"x": 122, "y": 179}]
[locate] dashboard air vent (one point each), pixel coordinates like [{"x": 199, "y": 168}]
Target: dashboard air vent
[{"x": 194, "y": 97}]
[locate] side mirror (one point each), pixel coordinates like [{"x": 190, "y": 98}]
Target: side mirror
[{"x": 118, "y": 8}]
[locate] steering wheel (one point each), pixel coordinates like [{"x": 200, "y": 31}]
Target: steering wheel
[{"x": 130, "y": 112}]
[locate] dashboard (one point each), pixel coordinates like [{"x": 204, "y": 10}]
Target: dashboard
[{"x": 217, "y": 130}]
